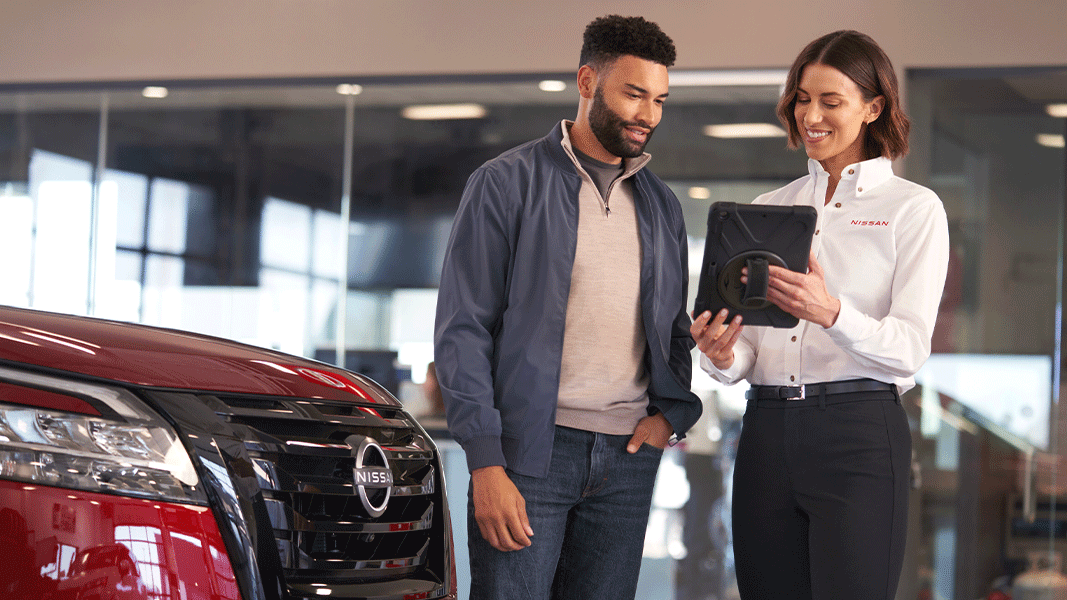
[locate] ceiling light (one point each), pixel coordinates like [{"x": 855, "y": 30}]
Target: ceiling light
[
  {"x": 154, "y": 91},
  {"x": 1050, "y": 140},
  {"x": 1057, "y": 110},
  {"x": 552, "y": 85},
  {"x": 744, "y": 130},
  {"x": 699, "y": 193},
  {"x": 350, "y": 89},
  {"x": 435, "y": 112},
  {"x": 728, "y": 78}
]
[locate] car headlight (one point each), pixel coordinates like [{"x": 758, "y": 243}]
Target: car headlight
[{"x": 128, "y": 449}]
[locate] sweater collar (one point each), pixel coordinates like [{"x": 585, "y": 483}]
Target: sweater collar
[{"x": 561, "y": 136}]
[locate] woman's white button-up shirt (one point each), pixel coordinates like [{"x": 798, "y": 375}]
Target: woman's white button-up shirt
[{"x": 883, "y": 244}]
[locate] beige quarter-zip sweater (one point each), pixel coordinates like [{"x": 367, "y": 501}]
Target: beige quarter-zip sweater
[{"x": 603, "y": 384}]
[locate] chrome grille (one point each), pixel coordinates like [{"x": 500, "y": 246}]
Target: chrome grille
[{"x": 304, "y": 465}]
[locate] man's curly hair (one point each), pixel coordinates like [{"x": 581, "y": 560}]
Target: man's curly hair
[{"x": 608, "y": 38}]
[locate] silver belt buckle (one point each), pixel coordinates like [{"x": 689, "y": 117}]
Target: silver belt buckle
[{"x": 803, "y": 393}]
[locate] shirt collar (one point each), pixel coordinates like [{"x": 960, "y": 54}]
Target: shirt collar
[
  {"x": 633, "y": 165},
  {"x": 859, "y": 177}
]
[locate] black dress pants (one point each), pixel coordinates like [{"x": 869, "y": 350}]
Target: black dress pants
[{"x": 820, "y": 497}]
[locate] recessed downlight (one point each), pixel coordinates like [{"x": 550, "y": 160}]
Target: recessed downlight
[
  {"x": 155, "y": 91},
  {"x": 350, "y": 89},
  {"x": 552, "y": 85},
  {"x": 1057, "y": 110},
  {"x": 699, "y": 193},
  {"x": 1051, "y": 140},
  {"x": 441, "y": 112},
  {"x": 744, "y": 130}
]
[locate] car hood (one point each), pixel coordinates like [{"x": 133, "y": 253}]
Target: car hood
[{"x": 166, "y": 358}]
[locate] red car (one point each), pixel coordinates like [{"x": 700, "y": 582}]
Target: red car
[{"x": 138, "y": 462}]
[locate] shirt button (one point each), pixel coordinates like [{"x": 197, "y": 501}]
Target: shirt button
[
  {"x": 791, "y": 378},
  {"x": 816, "y": 232},
  {"x": 794, "y": 338},
  {"x": 852, "y": 171},
  {"x": 838, "y": 205},
  {"x": 859, "y": 189}
]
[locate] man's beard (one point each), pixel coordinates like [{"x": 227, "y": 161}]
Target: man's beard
[{"x": 608, "y": 127}]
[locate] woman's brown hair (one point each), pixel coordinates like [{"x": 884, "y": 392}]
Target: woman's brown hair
[{"x": 863, "y": 61}]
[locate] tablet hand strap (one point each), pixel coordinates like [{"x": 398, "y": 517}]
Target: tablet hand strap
[{"x": 755, "y": 295}]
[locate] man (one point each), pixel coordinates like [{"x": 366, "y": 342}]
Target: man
[{"x": 562, "y": 341}]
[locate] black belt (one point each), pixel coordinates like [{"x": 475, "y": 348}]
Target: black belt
[{"x": 811, "y": 390}]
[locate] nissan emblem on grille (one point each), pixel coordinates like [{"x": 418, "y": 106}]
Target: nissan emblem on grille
[{"x": 372, "y": 476}]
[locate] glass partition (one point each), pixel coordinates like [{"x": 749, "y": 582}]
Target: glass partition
[
  {"x": 48, "y": 150},
  {"x": 312, "y": 217},
  {"x": 231, "y": 211},
  {"x": 987, "y": 410}
]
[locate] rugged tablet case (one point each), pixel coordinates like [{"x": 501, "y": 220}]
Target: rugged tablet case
[{"x": 754, "y": 236}]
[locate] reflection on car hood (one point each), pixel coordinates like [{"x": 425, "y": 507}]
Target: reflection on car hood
[{"x": 166, "y": 358}]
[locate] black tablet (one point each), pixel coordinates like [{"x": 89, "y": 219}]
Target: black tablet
[{"x": 754, "y": 236}]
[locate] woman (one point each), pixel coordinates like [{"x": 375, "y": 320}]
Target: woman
[{"x": 821, "y": 478}]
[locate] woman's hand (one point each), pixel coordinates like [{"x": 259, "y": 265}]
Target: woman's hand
[
  {"x": 715, "y": 339},
  {"x": 803, "y": 295}
]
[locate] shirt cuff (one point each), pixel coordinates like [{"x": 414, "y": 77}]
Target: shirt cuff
[
  {"x": 849, "y": 326},
  {"x": 725, "y": 376}
]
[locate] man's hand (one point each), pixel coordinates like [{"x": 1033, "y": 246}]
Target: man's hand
[
  {"x": 500, "y": 510},
  {"x": 654, "y": 430}
]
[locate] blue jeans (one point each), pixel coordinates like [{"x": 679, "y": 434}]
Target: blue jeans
[{"x": 588, "y": 516}]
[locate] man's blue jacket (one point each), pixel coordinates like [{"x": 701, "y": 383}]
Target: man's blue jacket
[{"x": 502, "y": 304}]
